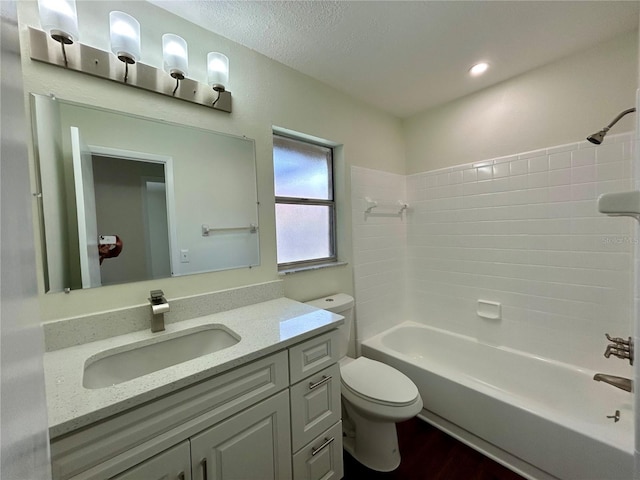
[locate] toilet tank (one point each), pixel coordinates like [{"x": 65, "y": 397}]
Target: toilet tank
[{"x": 342, "y": 304}]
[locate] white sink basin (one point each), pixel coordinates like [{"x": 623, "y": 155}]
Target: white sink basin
[{"x": 138, "y": 359}]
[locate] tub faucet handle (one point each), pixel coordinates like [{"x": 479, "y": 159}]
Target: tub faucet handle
[
  {"x": 620, "y": 348},
  {"x": 618, "y": 339}
]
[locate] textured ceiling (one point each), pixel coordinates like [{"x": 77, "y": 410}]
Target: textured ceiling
[{"x": 405, "y": 57}]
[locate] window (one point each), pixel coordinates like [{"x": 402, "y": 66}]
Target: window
[{"x": 305, "y": 207}]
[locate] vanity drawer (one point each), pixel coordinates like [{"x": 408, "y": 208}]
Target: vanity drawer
[
  {"x": 173, "y": 464},
  {"x": 309, "y": 357},
  {"x": 321, "y": 459},
  {"x": 315, "y": 405},
  {"x": 169, "y": 419}
]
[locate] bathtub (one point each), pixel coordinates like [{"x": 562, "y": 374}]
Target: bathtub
[{"x": 542, "y": 418}]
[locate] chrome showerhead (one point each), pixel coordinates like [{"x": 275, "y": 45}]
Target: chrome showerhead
[{"x": 599, "y": 136}]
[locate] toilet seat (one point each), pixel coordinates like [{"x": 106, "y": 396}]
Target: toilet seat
[{"x": 378, "y": 383}]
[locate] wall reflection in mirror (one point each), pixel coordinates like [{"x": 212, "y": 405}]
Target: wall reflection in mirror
[{"x": 125, "y": 198}]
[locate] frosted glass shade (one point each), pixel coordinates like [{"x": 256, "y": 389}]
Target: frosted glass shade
[
  {"x": 218, "y": 70},
  {"x": 125, "y": 36},
  {"x": 175, "y": 55},
  {"x": 59, "y": 19}
]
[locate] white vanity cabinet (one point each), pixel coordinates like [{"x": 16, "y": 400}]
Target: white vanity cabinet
[
  {"x": 316, "y": 429},
  {"x": 251, "y": 445},
  {"x": 252, "y": 422}
]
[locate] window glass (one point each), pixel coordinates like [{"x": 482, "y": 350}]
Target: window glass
[
  {"x": 303, "y": 232},
  {"x": 302, "y": 170},
  {"x": 305, "y": 210}
]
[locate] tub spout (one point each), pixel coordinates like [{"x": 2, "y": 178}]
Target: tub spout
[{"x": 619, "y": 382}]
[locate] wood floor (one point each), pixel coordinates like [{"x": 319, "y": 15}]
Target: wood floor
[{"x": 429, "y": 454}]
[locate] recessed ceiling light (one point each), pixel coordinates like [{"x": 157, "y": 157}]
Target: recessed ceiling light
[{"x": 478, "y": 69}]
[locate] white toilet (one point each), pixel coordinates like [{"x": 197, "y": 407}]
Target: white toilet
[{"x": 374, "y": 397}]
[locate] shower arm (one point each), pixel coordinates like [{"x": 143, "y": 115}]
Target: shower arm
[
  {"x": 598, "y": 137},
  {"x": 622, "y": 114}
]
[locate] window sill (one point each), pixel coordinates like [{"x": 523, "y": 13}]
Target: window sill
[{"x": 307, "y": 268}]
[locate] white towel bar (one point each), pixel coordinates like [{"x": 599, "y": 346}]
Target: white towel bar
[
  {"x": 253, "y": 228},
  {"x": 371, "y": 204}
]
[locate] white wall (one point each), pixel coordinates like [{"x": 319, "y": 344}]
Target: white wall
[
  {"x": 24, "y": 443},
  {"x": 560, "y": 103},
  {"x": 265, "y": 94}
]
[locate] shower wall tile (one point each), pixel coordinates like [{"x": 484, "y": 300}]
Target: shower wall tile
[
  {"x": 584, "y": 156},
  {"x": 522, "y": 230},
  {"x": 532, "y": 239},
  {"x": 379, "y": 243}
]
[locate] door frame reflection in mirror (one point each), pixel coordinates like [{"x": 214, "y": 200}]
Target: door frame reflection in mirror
[{"x": 167, "y": 162}]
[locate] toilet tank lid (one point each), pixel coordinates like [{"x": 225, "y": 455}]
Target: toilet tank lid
[{"x": 336, "y": 303}]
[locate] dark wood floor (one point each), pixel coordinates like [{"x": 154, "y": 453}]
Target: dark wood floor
[{"x": 429, "y": 454}]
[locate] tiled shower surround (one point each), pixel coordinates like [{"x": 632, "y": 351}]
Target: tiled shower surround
[
  {"x": 379, "y": 241},
  {"x": 523, "y": 231}
]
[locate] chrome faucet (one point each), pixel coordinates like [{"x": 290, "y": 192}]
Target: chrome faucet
[
  {"x": 620, "y": 348},
  {"x": 159, "y": 306},
  {"x": 619, "y": 382}
]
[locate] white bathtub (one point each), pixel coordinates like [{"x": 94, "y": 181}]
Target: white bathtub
[{"x": 537, "y": 412}]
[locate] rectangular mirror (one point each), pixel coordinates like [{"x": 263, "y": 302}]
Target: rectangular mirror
[{"x": 126, "y": 198}]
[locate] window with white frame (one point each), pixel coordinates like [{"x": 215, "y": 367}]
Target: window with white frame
[{"x": 305, "y": 206}]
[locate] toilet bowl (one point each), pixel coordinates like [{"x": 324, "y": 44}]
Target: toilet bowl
[{"x": 375, "y": 397}]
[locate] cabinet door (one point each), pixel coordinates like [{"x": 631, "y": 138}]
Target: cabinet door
[
  {"x": 315, "y": 405},
  {"x": 172, "y": 464},
  {"x": 252, "y": 445},
  {"x": 322, "y": 458}
]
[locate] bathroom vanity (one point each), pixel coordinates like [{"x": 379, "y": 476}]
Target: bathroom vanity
[{"x": 267, "y": 406}]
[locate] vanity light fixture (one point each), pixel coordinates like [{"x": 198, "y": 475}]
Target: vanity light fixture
[
  {"x": 478, "y": 69},
  {"x": 175, "y": 57},
  {"x": 59, "y": 19},
  {"x": 125, "y": 38},
  {"x": 170, "y": 80}
]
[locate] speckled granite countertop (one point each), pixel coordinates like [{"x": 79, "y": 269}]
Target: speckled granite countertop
[{"x": 263, "y": 328}]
